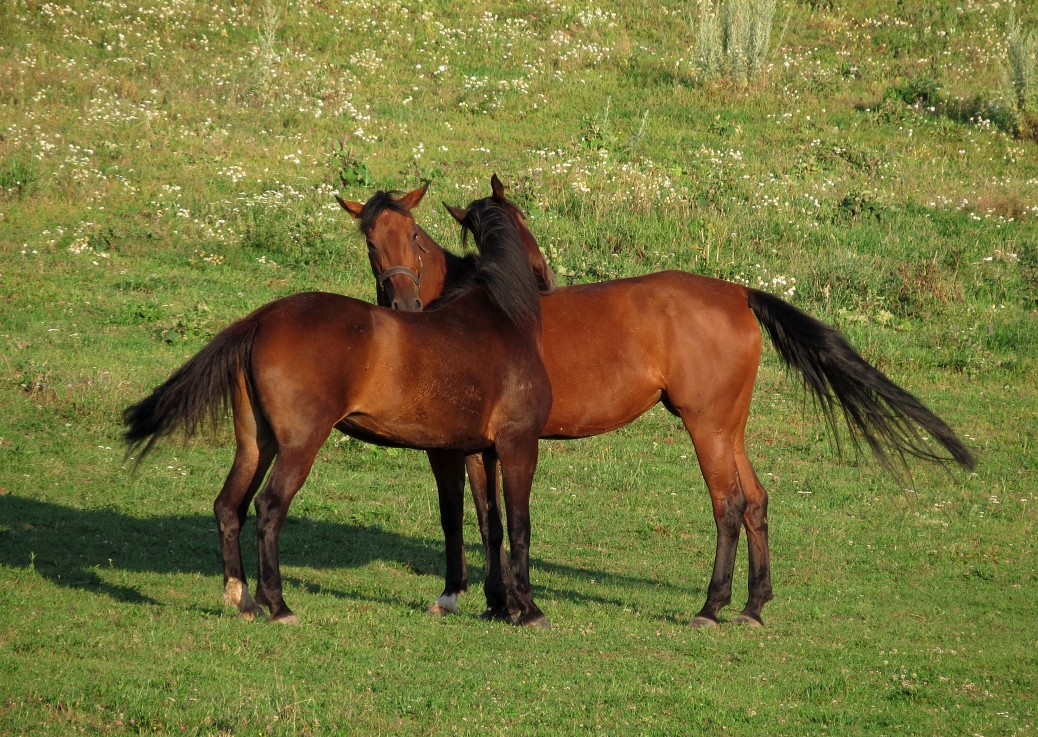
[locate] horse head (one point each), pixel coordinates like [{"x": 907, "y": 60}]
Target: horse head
[
  {"x": 395, "y": 246},
  {"x": 542, "y": 271}
]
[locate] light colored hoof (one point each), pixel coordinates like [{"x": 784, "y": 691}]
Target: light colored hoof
[
  {"x": 701, "y": 623},
  {"x": 288, "y": 619},
  {"x": 252, "y": 614},
  {"x": 444, "y": 606},
  {"x": 745, "y": 620}
]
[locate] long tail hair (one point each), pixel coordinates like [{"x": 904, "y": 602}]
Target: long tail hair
[
  {"x": 198, "y": 393},
  {"x": 875, "y": 408}
]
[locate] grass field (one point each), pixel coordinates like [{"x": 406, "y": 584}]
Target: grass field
[{"x": 168, "y": 166}]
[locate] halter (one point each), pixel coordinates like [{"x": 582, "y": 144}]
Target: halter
[{"x": 393, "y": 271}]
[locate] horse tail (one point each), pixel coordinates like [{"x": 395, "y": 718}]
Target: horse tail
[
  {"x": 875, "y": 408},
  {"x": 198, "y": 393}
]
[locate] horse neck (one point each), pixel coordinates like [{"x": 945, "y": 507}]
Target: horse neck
[
  {"x": 441, "y": 269},
  {"x": 434, "y": 268}
]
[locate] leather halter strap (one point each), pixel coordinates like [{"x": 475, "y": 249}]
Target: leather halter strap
[{"x": 393, "y": 271}]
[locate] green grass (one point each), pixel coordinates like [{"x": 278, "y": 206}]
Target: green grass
[{"x": 165, "y": 169}]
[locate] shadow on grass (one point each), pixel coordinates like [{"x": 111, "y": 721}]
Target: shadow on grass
[{"x": 68, "y": 547}]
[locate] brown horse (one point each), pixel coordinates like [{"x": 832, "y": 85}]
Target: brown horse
[
  {"x": 615, "y": 349},
  {"x": 466, "y": 377}
]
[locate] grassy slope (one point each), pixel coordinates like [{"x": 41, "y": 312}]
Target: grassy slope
[{"x": 167, "y": 156}]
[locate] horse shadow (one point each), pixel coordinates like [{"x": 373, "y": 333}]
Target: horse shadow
[{"x": 69, "y": 546}]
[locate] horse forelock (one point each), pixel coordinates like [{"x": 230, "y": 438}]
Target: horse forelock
[
  {"x": 503, "y": 268},
  {"x": 378, "y": 204}
]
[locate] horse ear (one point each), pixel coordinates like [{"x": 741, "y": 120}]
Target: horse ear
[
  {"x": 353, "y": 208},
  {"x": 412, "y": 198},
  {"x": 457, "y": 213},
  {"x": 497, "y": 188}
]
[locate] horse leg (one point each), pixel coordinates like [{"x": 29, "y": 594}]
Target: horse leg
[
  {"x": 290, "y": 471},
  {"x": 478, "y": 485},
  {"x": 449, "y": 469},
  {"x": 498, "y": 584},
  {"x": 755, "y": 520},
  {"x": 478, "y": 474},
  {"x": 717, "y": 461},
  {"x": 255, "y": 451},
  {"x": 518, "y": 464}
]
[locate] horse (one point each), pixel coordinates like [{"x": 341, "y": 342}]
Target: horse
[
  {"x": 615, "y": 349},
  {"x": 466, "y": 377}
]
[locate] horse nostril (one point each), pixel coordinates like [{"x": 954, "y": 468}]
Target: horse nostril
[
  {"x": 418, "y": 305},
  {"x": 395, "y": 305}
]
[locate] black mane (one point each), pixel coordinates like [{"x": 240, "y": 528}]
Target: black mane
[
  {"x": 501, "y": 268},
  {"x": 378, "y": 204}
]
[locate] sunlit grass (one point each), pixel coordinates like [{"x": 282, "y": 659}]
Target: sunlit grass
[{"x": 168, "y": 167}]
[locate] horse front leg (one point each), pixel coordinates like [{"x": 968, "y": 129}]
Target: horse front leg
[
  {"x": 518, "y": 464},
  {"x": 449, "y": 469}
]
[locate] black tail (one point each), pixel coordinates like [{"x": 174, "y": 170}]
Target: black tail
[
  {"x": 875, "y": 408},
  {"x": 198, "y": 393}
]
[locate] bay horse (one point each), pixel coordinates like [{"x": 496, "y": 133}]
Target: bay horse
[
  {"x": 615, "y": 349},
  {"x": 466, "y": 377}
]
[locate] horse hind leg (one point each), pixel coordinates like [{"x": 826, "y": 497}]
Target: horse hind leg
[
  {"x": 255, "y": 451},
  {"x": 497, "y": 586},
  {"x": 290, "y": 471},
  {"x": 755, "y": 520},
  {"x": 717, "y": 462}
]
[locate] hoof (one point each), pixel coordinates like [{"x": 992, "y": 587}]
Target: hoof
[
  {"x": 538, "y": 622},
  {"x": 700, "y": 622},
  {"x": 496, "y": 615},
  {"x": 444, "y": 606},
  {"x": 289, "y": 619},
  {"x": 746, "y": 620}
]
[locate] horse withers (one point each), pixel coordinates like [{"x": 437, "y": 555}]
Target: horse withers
[
  {"x": 615, "y": 349},
  {"x": 466, "y": 378}
]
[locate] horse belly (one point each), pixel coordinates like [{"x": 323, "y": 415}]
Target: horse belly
[
  {"x": 598, "y": 385},
  {"x": 417, "y": 419},
  {"x": 422, "y": 399}
]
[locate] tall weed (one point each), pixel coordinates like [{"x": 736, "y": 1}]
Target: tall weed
[
  {"x": 1022, "y": 60},
  {"x": 733, "y": 38},
  {"x": 1022, "y": 73}
]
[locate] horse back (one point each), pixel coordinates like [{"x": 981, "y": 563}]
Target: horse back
[
  {"x": 614, "y": 349},
  {"x": 447, "y": 378}
]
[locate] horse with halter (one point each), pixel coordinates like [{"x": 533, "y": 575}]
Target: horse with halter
[
  {"x": 615, "y": 349},
  {"x": 464, "y": 378}
]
